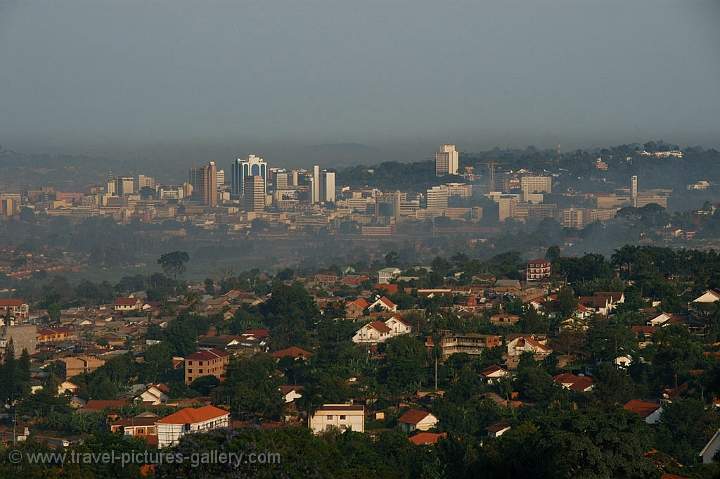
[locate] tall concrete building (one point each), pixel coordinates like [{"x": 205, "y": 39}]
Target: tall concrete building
[
  {"x": 447, "y": 161},
  {"x": 536, "y": 184},
  {"x": 254, "y": 197},
  {"x": 241, "y": 169},
  {"x": 327, "y": 187},
  {"x": 204, "y": 184},
  {"x": 281, "y": 180},
  {"x": 220, "y": 179},
  {"x": 634, "y": 191},
  {"x": 145, "y": 182},
  {"x": 437, "y": 197},
  {"x": 315, "y": 194}
]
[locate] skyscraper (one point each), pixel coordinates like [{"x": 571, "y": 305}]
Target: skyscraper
[
  {"x": 634, "y": 191},
  {"x": 204, "y": 184},
  {"x": 447, "y": 161},
  {"x": 241, "y": 169},
  {"x": 327, "y": 187},
  {"x": 254, "y": 197},
  {"x": 316, "y": 184}
]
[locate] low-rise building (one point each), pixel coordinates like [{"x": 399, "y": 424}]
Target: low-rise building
[
  {"x": 417, "y": 420},
  {"x": 338, "y": 416},
  {"x": 207, "y": 362},
  {"x": 189, "y": 421}
]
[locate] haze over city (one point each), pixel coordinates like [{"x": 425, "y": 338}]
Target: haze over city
[{"x": 212, "y": 80}]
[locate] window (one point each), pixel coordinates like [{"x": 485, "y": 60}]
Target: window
[
  {"x": 189, "y": 371},
  {"x": 342, "y": 417},
  {"x": 329, "y": 417},
  {"x": 189, "y": 363}
]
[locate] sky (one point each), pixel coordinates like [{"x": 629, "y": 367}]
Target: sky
[{"x": 218, "y": 77}]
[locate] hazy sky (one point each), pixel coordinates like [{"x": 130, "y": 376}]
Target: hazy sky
[{"x": 96, "y": 74}]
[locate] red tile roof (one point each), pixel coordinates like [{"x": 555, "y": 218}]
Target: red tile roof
[
  {"x": 413, "y": 416},
  {"x": 293, "y": 352},
  {"x": 577, "y": 383},
  {"x": 193, "y": 415},
  {"x": 387, "y": 302},
  {"x": 207, "y": 354},
  {"x": 642, "y": 408},
  {"x": 360, "y": 303},
  {"x": 11, "y": 302},
  {"x": 379, "y": 326},
  {"x": 427, "y": 438}
]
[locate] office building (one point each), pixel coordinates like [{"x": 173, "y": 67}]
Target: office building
[
  {"x": 281, "y": 180},
  {"x": 634, "y": 191},
  {"x": 220, "y": 179},
  {"x": 437, "y": 197},
  {"x": 254, "y": 197},
  {"x": 315, "y": 183},
  {"x": 204, "y": 184},
  {"x": 327, "y": 187},
  {"x": 241, "y": 169},
  {"x": 145, "y": 182},
  {"x": 535, "y": 184},
  {"x": 447, "y": 161}
]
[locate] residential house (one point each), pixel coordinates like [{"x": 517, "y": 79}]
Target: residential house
[
  {"x": 427, "y": 438},
  {"x": 372, "y": 333},
  {"x": 493, "y": 374},
  {"x": 472, "y": 344},
  {"x": 504, "y": 319},
  {"x": 126, "y": 305},
  {"x": 383, "y": 303},
  {"x": 398, "y": 326},
  {"x": 709, "y": 296},
  {"x": 154, "y": 395},
  {"x": 573, "y": 382},
  {"x": 355, "y": 309},
  {"x": 338, "y": 416},
  {"x": 290, "y": 392},
  {"x": 67, "y": 387},
  {"x": 385, "y": 275},
  {"x": 537, "y": 270},
  {"x": 497, "y": 429},
  {"x": 602, "y": 303},
  {"x": 141, "y": 426},
  {"x": 54, "y": 335},
  {"x": 16, "y": 309},
  {"x": 188, "y": 421},
  {"x": 417, "y": 420},
  {"x": 207, "y": 362},
  {"x": 292, "y": 352},
  {"x": 526, "y": 344},
  {"x": 649, "y": 411}
]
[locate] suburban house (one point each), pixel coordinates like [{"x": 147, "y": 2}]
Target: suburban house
[
  {"x": 398, "y": 326},
  {"x": 493, "y": 373},
  {"x": 154, "y": 395},
  {"x": 417, "y": 420},
  {"x": 385, "y": 275},
  {"x": 709, "y": 296},
  {"x": 141, "y": 426},
  {"x": 292, "y": 352},
  {"x": 125, "y": 305},
  {"x": 208, "y": 362},
  {"x": 188, "y": 421},
  {"x": 67, "y": 387},
  {"x": 649, "y": 411},
  {"x": 290, "y": 392},
  {"x": 427, "y": 438},
  {"x": 573, "y": 382},
  {"x": 373, "y": 332},
  {"x": 355, "y": 309},
  {"x": 338, "y": 416},
  {"x": 497, "y": 429},
  {"x": 602, "y": 303},
  {"x": 383, "y": 303},
  {"x": 17, "y": 309},
  {"x": 54, "y": 335},
  {"x": 707, "y": 454},
  {"x": 504, "y": 319},
  {"x": 526, "y": 344},
  {"x": 472, "y": 344}
]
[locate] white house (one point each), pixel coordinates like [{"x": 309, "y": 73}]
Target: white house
[
  {"x": 527, "y": 344},
  {"x": 338, "y": 416},
  {"x": 417, "y": 420},
  {"x": 398, "y": 326},
  {"x": 711, "y": 448},
  {"x": 65, "y": 387},
  {"x": 154, "y": 395},
  {"x": 387, "y": 274},
  {"x": 384, "y": 304},
  {"x": 290, "y": 392},
  {"x": 660, "y": 319},
  {"x": 623, "y": 361},
  {"x": 493, "y": 374},
  {"x": 188, "y": 421},
  {"x": 373, "y": 332},
  {"x": 649, "y": 411}
]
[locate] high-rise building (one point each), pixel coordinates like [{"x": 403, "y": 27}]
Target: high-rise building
[
  {"x": 447, "y": 161},
  {"x": 315, "y": 184},
  {"x": 220, "y": 179},
  {"x": 254, "y": 197},
  {"x": 145, "y": 182},
  {"x": 281, "y": 180},
  {"x": 204, "y": 184},
  {"x": 634, "y": 191},
  {"x": 241, "y": 169},
  {"x": 327, "y": 187}
]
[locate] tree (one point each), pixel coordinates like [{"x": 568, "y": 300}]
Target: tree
[
  {"x": 553, "y": 253},
  {"x": 251, "y": 388},
  {"x": 173, "y": 264},
  {"x": 205, "y": 384}
]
